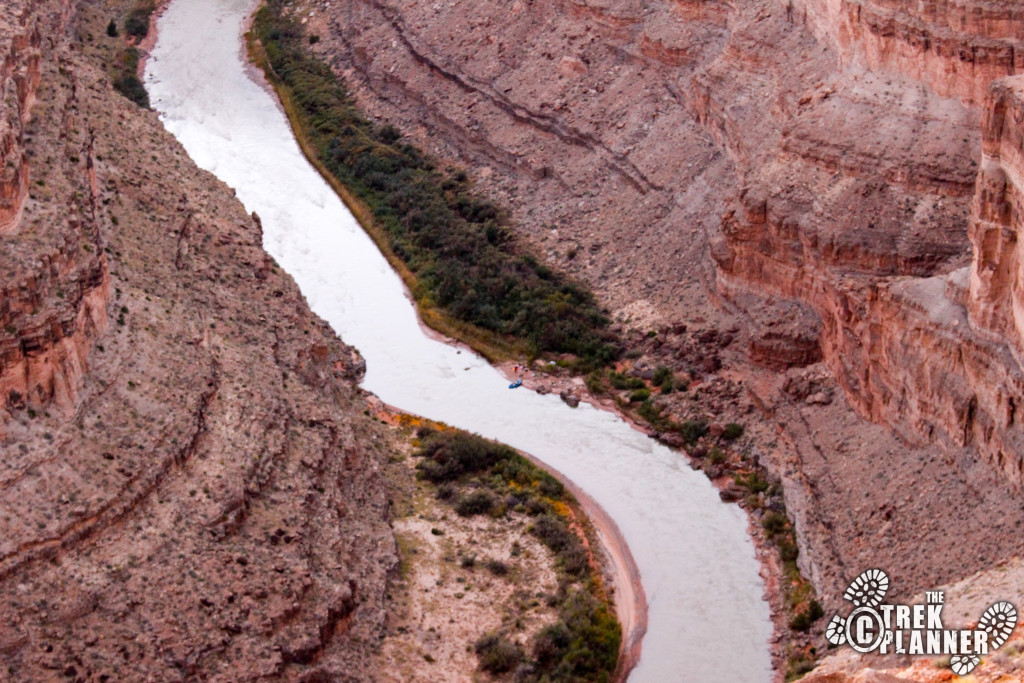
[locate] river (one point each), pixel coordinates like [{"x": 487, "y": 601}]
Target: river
[{"x": 707, "y": 619}]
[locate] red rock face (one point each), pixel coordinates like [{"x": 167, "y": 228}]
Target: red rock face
[
  {"x": 45, "y": 347},
  {"x": 996, "y": 217},
  {"x": 53, "y": 304},
  {"x": 932, "y": 356},
  {"x": 188, "y": 482},
  {"x": 19, "y": 78},
  {"x": 957, "y": 47}
]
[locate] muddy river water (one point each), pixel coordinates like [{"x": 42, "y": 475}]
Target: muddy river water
[{"x": 707, "y": 619}]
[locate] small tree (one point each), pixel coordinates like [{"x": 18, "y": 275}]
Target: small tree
[{"x": 112, "y": 29}]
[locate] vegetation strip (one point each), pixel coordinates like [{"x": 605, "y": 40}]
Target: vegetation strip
[
  {"x": 458, "y": 255},
  {"x": 476, "y": 476},
  {"x": 124, "y": 65}
]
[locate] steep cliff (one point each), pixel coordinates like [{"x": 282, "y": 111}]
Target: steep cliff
[
  {"x": 803, "y": 175},
  {"x": 995, "y": 277},
  {"x": 956, "y": 47},
  {"x": 189, "y": 485},
  {"x": 54, "y": 298}
]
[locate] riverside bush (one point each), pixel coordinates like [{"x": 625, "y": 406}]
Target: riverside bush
[
  {"x": 476, "y": 503},
  {"x": 123, "y": 72},
  {"x": 497, "y": 654},
  {"x": 456, "y": 243},
  {"x": 450, "y": 455},
  {"x": 583, "y": 645},
  {"x": 137, "y": 23},
  {"x": 693, "y": 430},
  {"x": 663, "y": 377},
  {"x": 639, "y": 395}
]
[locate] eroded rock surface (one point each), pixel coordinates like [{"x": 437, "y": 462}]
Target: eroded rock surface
[
  {"x": 804, "y": 174},
  {"x": 189, "y": 487}
]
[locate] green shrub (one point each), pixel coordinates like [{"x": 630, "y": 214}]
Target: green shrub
[
  {"x": 715, "y": 456},
  {"x": 621, "y": 381},
  {"x": 550, "y": 643},
  {"x": 774, "y": 523},
  {"x": 806, "y": 615},
  {"x": 753, "y": 482},
  {"x": 549, "y": 486},
  {"x": 137, "y": 23},
  {"x": 639, "y": 395},
  {"x": 497, "y": 567},
  {"x": 497, "y": 654},
  {"x": 662, "y": 375},
  {"x": 732, "y": 431},
  {"x": 131, "y": 87},
  {"x": 476, "y": 503},
  {"x": 125, "y": 79},
  {"x": 536, "y": 506},
  {"x": 692, "y": 430},
  {"x": 653, "y": 414},
  {"x": 582, "y": 646},
  {"x": 574, "y": 558},
  {"x": 449, "y": 455},
  {"x": 552, "y": 532}
]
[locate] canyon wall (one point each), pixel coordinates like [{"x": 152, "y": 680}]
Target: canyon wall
[
  {"x": 19, "y": 78},
  {"x": 996, "y": 218},
  {"x": 956, "y": 47},
  {"x": 190, "y": 487},
  {"x": 54, "y": 299},
  {"x": 802, "y": 175}
]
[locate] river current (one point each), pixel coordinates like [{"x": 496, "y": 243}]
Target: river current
[{"x": 707, "y": 619}]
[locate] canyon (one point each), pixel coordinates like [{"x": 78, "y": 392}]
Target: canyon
[
  {"x": 833, "y": 186},
  {"x": 810, "y": 208}
]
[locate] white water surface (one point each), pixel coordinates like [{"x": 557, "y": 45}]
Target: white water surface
[{"x": 707, "y": 618}]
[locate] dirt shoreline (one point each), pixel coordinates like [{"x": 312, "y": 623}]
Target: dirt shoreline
[{"x": 627, "y": 592}]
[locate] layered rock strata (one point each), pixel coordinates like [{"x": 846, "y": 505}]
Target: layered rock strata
[
  {"x": 957, "y": 47},
  {"x": 53, "y": 301},
  {"x": 818, "y": 160},
  {"x": 189, "y": 486},
  {"x": 19, "y": 78}
]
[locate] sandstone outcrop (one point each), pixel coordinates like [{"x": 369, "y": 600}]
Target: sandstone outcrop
[
  {"x": 189, "y": 485},
  {"x": 19, "y": 78},
  {"x": 996, "y": 218},
  {"x": 957, "y": 47},
  {"x": 54, "y": 299}
]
